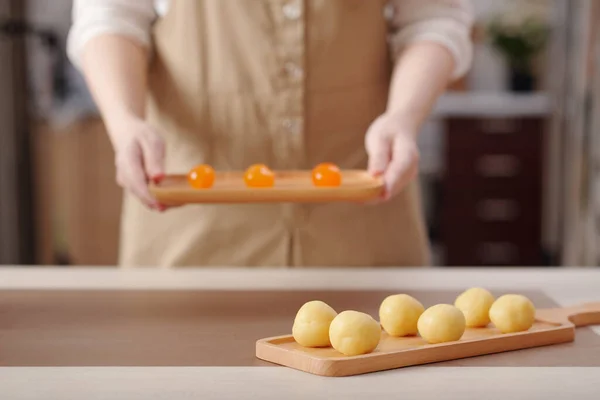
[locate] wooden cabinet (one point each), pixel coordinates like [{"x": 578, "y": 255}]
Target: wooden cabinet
[
  {"x": 77, "y": 200},
  {"x": 491, "y": 202}
]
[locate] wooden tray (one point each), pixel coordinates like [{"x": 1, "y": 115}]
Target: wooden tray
[
  {"x": 553, "y": 326},
  {"x": 290, "y": 187}
]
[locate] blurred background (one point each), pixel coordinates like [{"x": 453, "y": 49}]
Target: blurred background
[{"x": 511, "y": 159}]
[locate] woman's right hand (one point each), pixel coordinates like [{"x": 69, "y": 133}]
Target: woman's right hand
[
  {"x": 139, "y": 158},
  {"x": 116, "y": 71}
]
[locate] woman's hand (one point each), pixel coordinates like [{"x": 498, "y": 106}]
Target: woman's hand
[
  {"x": 116, "y": 70},
  {"x": 393, "y": 152},
  {"x": 420, "y": 76},
  {"x": 139, "y": 159}
]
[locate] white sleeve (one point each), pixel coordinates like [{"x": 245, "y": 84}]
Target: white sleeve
[
  {"x": 91, "y": 18},
  {"x": 447, "y": 22}
]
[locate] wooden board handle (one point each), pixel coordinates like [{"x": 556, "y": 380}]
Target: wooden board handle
[
  {"x": 586, "y": 315},
  {"x": 580, "y": 316}
]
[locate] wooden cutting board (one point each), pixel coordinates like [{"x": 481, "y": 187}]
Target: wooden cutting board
[
  {"x": 552, "y": 326},
  {"x": 290, "y": 187}
]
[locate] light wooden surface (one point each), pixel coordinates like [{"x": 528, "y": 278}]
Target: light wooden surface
[
  {"x": 205, "y": 328},
  {"x": 566, "y": 287},
  {"x": 290, "y": 186},
  {"x": 278, "y": 384},
  {"x": 552, "y": 326}
]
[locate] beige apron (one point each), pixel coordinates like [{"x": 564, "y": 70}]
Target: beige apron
[{"x": 289, "y": 83}]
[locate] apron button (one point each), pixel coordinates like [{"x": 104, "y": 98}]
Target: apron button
[
  {"x": 294, "y": 71},
  {"x": 292, "y": 11},
  {"x": 293, "y": 126},
  {"x": 389, "y": 12}
]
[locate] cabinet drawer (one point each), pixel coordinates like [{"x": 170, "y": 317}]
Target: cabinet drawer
[
  {"x": 491, "y": 210},
  {"x": 458, "y": 228},
  {"x": 494, "y": 243},
  {"x": 515, "y": 136},
  {"x": 492, "y": 217},
  {"x": 492, "y": 192},
  {"x": 492, "y": 225},
  {"x": 477, "y": 168},
  {"x": 471, "y": 194},
  {"x": 492, "y": 253},
  {"x": 474, "y": 159}
]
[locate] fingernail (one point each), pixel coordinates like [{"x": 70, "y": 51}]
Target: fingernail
[
  {"x": 158, "y": 179},
  {"x": 385, "y": 195}
]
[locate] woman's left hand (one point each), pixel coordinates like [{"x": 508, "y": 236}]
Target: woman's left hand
[{"x": 393, "y": 152}]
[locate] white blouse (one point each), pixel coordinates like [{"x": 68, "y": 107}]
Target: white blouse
[{"x": 447, "y": 22}]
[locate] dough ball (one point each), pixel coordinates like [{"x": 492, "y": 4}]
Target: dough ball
[
  {"x": 399, "y": 315},
  {"x": 442, "y": 323},
  {"x": 311, "y": 325},
  {"x": 353, "y": 333},
  {"x": 475, "y": 303},
  {"x": 512, "y": 313}
]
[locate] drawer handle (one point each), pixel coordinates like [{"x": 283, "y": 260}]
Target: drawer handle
[
  {"x": 498, "y": 253},
  {"x": 498, "y": 166},
  {"x": 498, "y": 210},
  {"x": 499, "y": 126}
]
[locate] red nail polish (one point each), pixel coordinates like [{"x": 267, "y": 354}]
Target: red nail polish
[{"x": 158, "y": 179}]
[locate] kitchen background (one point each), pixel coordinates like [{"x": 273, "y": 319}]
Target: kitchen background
[{"x": 510, "y": 165}]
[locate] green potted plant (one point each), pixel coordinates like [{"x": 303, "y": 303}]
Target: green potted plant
[{"x": 520, "y": 41}]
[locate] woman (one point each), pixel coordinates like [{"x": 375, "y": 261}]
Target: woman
[{"x": 288, "y": 83}]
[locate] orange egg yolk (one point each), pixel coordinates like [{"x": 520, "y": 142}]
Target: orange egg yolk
[
  {"x": 327, "y": 175},
  {"x": 259, "y": 176},
  {"x": 202, "y": 177}
]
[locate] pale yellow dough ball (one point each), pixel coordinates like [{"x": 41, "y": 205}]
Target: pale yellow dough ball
[
  {"x": 512, "y": 313},
  {"x": 475, "y": 303},
  {"x": 311, "y": 325},
  {"x": 353, "y": 333},
  {"x": 442, "y": 323},
  {"x": 399, "y": 315}
]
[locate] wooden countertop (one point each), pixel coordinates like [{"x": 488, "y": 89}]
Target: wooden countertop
[{"x": 481, "y": 379}]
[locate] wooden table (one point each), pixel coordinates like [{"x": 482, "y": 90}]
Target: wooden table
[{"x": 35, "y": 304}]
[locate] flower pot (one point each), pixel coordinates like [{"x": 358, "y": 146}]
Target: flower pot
[{"x": 522, "y": 80}]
